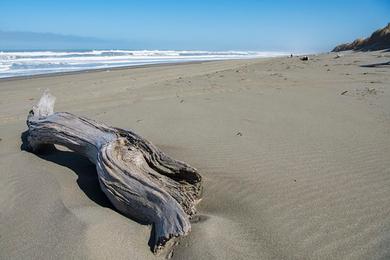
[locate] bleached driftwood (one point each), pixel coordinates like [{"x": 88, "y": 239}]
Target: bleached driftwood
[{"x": 140, "y": 180}]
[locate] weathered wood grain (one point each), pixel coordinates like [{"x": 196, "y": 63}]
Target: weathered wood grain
[{"x": 139, "y": 179}]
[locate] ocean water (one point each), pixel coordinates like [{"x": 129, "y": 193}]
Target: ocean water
[{"x": 25, "y": 63}]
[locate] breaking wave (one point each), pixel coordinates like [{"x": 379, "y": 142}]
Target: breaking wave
[{"x": 24, "y": 63}]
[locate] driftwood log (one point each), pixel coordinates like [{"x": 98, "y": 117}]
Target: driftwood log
[{"x": 140, "y": 180}]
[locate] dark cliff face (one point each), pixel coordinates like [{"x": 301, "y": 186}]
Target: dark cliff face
[{"x": 379, "y": 40}]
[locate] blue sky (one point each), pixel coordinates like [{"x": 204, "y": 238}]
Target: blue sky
[{"x": 207, "y": 25}]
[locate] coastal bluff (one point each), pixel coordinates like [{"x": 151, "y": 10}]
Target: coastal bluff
[{"x": 379, "y": 40}]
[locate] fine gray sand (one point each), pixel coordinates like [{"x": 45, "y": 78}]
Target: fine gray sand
[{"x": 294, "y": 154}]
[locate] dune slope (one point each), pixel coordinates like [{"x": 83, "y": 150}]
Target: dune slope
[{"x": 379, "y": 40}]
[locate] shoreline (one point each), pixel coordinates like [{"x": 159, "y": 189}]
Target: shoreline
[
  {"x": 134, "y": 66},
  {"x": 75, "y": 72},
  {"x": 138, "y": 66}
]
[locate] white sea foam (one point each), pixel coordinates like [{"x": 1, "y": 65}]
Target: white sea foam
[{"x": 25, "y": 63}]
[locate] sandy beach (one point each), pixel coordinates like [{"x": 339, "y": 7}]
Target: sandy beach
[{"x": 294, "y": 156}]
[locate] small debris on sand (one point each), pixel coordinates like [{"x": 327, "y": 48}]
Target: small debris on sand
[
  {"x": 304, "y": 58},
  {"x": 371, "y": 90},
  {"x": 367, "y": 91},
  {"x": 182, "y": 101},
  {"x": 239, "y": 134},
  {"x": 344, "y": 92}
]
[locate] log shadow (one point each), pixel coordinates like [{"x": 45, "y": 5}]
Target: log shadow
[
  {"x": 87, "y": 178},
  {"x": 376, "y": 65}
]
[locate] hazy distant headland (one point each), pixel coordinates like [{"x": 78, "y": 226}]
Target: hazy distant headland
[{"x": 17, "y": 41}]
